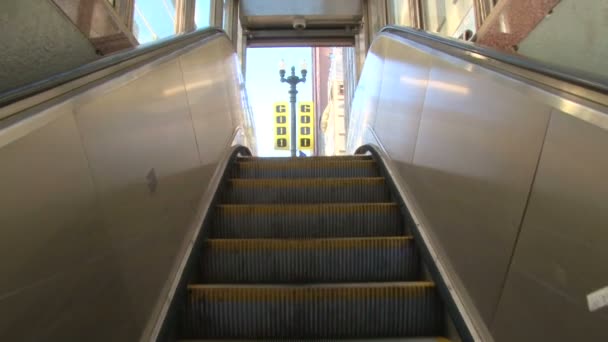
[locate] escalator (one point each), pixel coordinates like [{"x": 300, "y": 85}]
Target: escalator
[
  {"x": 312, "y": 248},
  {"x": 133, "y": 209}
]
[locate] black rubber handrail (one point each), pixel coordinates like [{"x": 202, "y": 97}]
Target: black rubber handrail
[
  {"x": 580, "y": 78},
  {"x": 38, "y": 87}
]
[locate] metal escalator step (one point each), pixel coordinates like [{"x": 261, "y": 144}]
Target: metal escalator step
[
  {"x": 305, "y": 168},
  {"x": 310, "y": 261},
  {"x": 306, "y": 190},
  {"x": 301, "y": 221},
  {"x": 306, "y": 159},
  {"x": 321, "y": 311},
  {"x": 405, "y": 339}
]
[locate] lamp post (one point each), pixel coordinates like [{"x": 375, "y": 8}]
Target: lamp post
[{"x": 293, "y": 80}]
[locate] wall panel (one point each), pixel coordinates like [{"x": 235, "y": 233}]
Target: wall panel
[
  {"x": 89, "y": 233},
  {"x": 402, "y": 95},
  {"x": 475, "y": 160},
  {"x": 561, "y": 254},
  {"x": 506, "y": 179}
]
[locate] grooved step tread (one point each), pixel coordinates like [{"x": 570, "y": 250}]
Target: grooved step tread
[
  {"x": 306, "y": 190},
  {"x": 305, "y": 159},
  {"x": 299, "y": 221},
  {"x": 276, "y": 164},
  {"x": 307, "y": 208},
  {"x": 304, "y": 182},
  {"x": 413, "y": 339},
  {"x": 335, "y": 260},
  {"x": 361, "y": 310},
  {"x": 335, "y": 288},
  {"x": 309, "y": 249},
  {"x": 291, "y": 244},
  {"x": 305, "y": 168}
]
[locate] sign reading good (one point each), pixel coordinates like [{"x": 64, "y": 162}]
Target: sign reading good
[
  {"x": 306, "y": 126},
  {"x": 281, "y": 126}
]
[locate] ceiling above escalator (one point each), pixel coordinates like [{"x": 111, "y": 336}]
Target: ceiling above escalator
[{"x": 307, "y": 22}]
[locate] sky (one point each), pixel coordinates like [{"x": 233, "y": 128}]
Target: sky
[{"x": 265, "y": 88}]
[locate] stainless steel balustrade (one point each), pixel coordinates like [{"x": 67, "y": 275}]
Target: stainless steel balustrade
[
  {"x": 107, "y": 172},
  {"x": 105, "y": 175},
  {"x": 503, "y": 165}
]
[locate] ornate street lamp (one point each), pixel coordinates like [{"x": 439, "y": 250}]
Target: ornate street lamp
[{"x": 293, "y": 80}]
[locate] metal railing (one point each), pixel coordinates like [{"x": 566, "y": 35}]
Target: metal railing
[
  {"x": 564, "y": 79},
  {"x": 62, "y": 83}
]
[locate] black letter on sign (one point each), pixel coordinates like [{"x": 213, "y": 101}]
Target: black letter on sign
[
  {"x": 305, "y": 142},
  {"x": 282, "y": 142},
  {"x": 281, "y": 130},
  {"x": 305, "y": 119},
  {"x": 281, "y": 119},
  {"x": 305, "y": 108},
  {"x": 280, "y": 109},
  {"x": 305, "y": 130}
]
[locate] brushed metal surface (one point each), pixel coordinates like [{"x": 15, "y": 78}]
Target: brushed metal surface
[
  {"x": 48, "y": 205},
  {"x": 474, "y": 162},
  {"x": 85, "y": 77},
  {"x": 128, "y": 130},
  {"x": 466, "y": 325},
  {"x": 561, "y": 255},
  {"x": 538, "y": 74},
  {"x": 214, "y": 120},
  {"x": 475, "y": 158},
  {"x": 402, "y": 96},
  {"x": 366, "y": 96},
  {"x": 86, "y": 245}
]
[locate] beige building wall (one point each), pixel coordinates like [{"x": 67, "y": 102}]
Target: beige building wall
[
  {"x": 321, "y": 59},
  {"x": 333, "y": 127}
]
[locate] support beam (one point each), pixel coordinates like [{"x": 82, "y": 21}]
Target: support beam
[
  {"x": 416, "y": 14},
  {"x": 217, "y": 14},
  {"x": 376, "y": 17},
  {"x": 125, "y": 10},
  {"x": 231, "y": 23},
  {"x": 184, "y": 16},
  {"x": 362, "y": 44},
  {"x": 482, "y": 11},
  {"x": 241, "y": 48}
]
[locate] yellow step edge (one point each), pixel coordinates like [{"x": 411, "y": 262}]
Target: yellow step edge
[
  {"x": 304, "y": 182},
  {"x": 308, "y": 244},
  {"x": 289, "y": 293},
  {"x": 306, "y": 208},
  {"x": 380, "y": 339},
  {"x": 316, "y": 158},
  {"x": 272, "y": 164}
]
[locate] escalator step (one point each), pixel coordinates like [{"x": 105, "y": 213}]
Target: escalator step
[
  {"x": 406, "y": 339},
  {"x": 307, "y": 221},
  {"x": 306, "y": 190},
  {"x": 310, "y": 261},
  {"x": 306, "y": 159},
  {"x": 322, "y": 311},
  {"x": 305, "y": 168}
]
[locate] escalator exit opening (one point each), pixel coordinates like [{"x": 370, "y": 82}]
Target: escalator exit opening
[{"x": 321, "y": 108}]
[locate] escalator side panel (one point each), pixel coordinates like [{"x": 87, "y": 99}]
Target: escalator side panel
[
  {"x": 100, "y": 190},
  {"x": 563, "y": 241},
  {"x": 468, "y": 167}
]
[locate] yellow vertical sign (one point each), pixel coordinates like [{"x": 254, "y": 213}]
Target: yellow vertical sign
[
  {"x": 281, "y": 126},
  {"x": 306, "y": 126}
]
